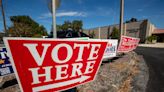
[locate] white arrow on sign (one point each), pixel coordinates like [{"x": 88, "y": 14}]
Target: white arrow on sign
[{"x": 56, "y": 85}]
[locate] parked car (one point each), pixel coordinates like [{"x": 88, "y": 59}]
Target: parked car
[{"x": 69, "y": 34}]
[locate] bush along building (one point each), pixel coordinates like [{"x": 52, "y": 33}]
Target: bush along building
[{"x": 140, "y": 29}]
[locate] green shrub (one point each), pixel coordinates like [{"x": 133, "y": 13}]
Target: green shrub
[
  {"x": 115, "y": 33},
  {"x": 151, "y": 38}
]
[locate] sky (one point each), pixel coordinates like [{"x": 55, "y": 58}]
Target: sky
[{"x": 93, "y": 13}]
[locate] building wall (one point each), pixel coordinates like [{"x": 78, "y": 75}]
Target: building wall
[
  {"x": 91, "y": 32},
  {"x": 96, "y": 33},
  {"x": 140, "y": 29},
  {"x": 142, "y": 32},
  {"x": 133, "y": 28},
  {"x": 104, "y": 32},
  {"x": 150, "y": 29}
]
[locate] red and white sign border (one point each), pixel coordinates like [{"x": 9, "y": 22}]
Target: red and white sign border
[{"x": 5, "y": 39}]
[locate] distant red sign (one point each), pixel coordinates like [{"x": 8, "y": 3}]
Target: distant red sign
[
  {"x": 49, "y": 65},
  {"x": 128, "y": 44}
]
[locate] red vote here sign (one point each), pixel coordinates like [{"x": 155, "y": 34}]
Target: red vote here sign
[
  {"x": 48, "y": 65},
  {"x": 128, "y": 44}
]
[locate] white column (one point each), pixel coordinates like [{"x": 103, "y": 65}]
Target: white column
[
  {"x": 125, "y": 29},
  {"x": 99, "y": 33}
]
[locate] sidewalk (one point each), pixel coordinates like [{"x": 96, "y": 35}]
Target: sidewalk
[{"x": 157, "y": 45}]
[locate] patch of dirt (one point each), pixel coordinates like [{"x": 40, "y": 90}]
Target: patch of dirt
[{"x": 117, "y": 76}]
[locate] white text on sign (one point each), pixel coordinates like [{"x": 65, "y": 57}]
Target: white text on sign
[{"x": 61, "y": 70}]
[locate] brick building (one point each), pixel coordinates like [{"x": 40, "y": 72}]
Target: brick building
[{"x": 140, "y": 29}]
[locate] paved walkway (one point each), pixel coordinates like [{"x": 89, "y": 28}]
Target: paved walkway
[
  {"x": 155, "y": 62},
  {"x": 157, "y": 45}
]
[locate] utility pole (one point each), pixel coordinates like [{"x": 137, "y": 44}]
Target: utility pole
[
  {"x": 3, "y": 15},
  {"x": 54, "y": 18},
  {"x": 121, "y": 17}
]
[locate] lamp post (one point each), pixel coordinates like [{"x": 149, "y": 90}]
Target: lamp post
[
  {"x": 54, "y": 18},
  {"x": 53, "y": 5}
]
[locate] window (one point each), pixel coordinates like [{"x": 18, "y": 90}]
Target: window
[{"x": 69, "y": 35}]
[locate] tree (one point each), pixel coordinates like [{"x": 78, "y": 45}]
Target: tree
[
  {"x": 115, "y": 33},
  {"x": 92, "y": 34},
  {"x": 151, "y": 38},
  {"x": 24, "y": 26},
  {"x": 66, "y": 25},
  {"x": 77, "y": 25},
  {"x": 132, "y": 20},
  {"x": 59, "y": 27}
]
